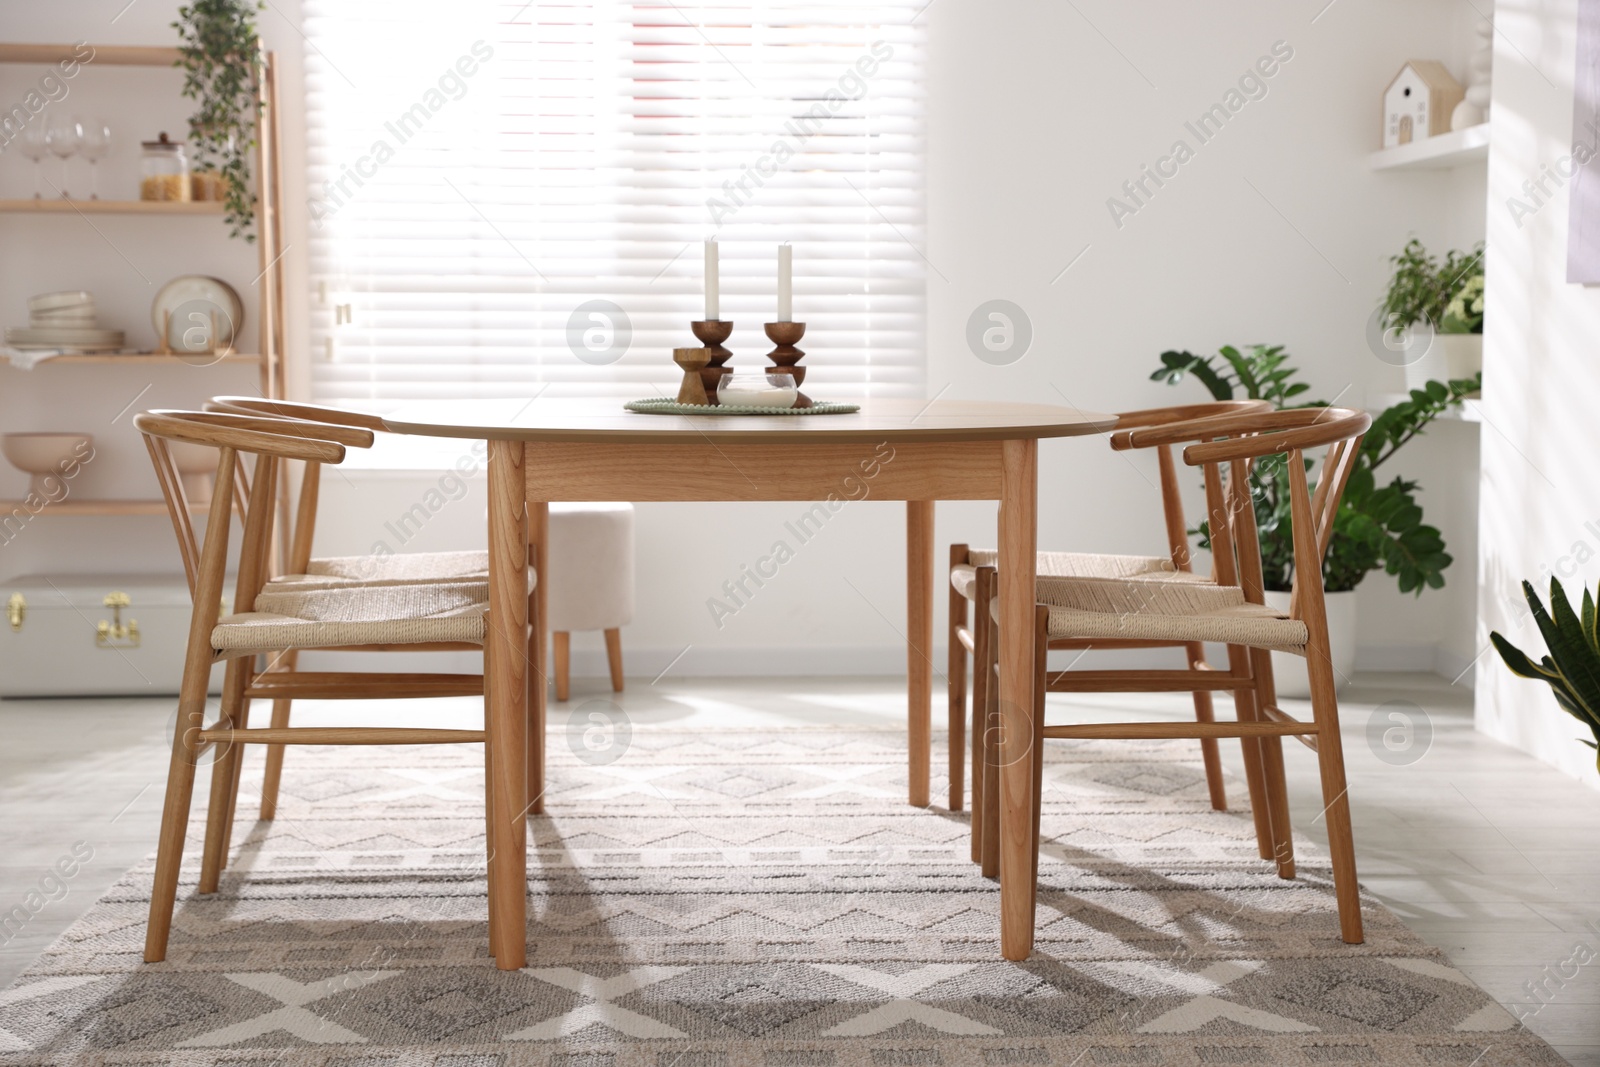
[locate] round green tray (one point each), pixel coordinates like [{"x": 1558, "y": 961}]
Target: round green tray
[{"x": 663, "y": 406}]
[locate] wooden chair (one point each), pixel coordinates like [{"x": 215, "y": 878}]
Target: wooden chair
[
  {"x": 967, "y": 565},
  {"x": 273, "y": 619},
  {"x": 1234, "y": 614},
  {"x": 407, "y": 567}
]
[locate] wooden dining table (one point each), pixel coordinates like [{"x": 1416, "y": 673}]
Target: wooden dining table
[{"x": 549, "y": 450}]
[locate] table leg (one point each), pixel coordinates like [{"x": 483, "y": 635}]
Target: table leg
[
  {"x": 538, "y": 650},
  {"x": 505, "y": 699},
  {"x": 1018, "y": 537},
  {"x": 919, "y": 645}
]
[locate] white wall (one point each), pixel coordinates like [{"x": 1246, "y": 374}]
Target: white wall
[
  {"x": 1036, "y": 117},
  {"x": 1538, "y": 484}
]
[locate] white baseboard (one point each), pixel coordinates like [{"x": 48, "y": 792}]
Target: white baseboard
[
  {"x": 1456, "y": 667},
  {"x": 808, "y": 661},
  {"x": 1394, "y": 658}
]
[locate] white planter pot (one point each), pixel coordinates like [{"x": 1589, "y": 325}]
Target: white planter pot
[
  {"x": 1449, "y": 356},
  {"x": 1289, "y": 671}
]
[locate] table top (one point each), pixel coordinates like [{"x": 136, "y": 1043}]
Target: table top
[{"x": 586, "y": 420}]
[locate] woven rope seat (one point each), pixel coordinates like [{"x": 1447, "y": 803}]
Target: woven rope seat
[
  {"x": 299, "y": 612},
  {"x": 404, "y": 567},
  {"x": 1164, "y": 611},
  {"x": 1077, "y": 565}
]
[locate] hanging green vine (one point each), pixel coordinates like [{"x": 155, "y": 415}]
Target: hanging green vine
[{"x": 222, "y": 65}]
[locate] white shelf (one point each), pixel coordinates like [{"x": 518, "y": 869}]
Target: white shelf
[
  {"x": 1471, "y": 409},
  {"x": 142, "y": 359},
  {"x": 58, "y": 206},
  {"x": 1458, "y": 148}
]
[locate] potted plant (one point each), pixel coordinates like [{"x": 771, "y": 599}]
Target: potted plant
[
  {"x": 1378, "y": 525},
  {"x": 1439, "y": 308},
  {"x": 220, "y": 54},
  {"x": 1571, "y": 666}
]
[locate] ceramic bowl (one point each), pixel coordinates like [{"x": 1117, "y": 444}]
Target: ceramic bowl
[{"x": 48, "y": 457}]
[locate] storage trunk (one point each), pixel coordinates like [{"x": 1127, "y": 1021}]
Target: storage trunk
[{"x": 94, "y": 635}]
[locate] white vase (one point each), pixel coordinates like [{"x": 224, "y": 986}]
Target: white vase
[
  {"x": 1463, "y": 353},
  {"x": 1449, "y": 356},
  {"x": 1289, "y": 670}
]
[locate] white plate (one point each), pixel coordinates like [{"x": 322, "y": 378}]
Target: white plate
[
  {"x": 35, "y": 347},
  {"x": 45, "y": 301},
  {"x": 63, "y": 335},
  {"x": 189, "y": 299}
]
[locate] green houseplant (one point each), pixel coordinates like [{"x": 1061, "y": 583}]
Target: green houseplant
[
  {"x": 219, "y": 52},
  {"x": 1571, "y": 665},
  {"x": 1446, "y": 299},
  {"x": 1379, "y": 524},
  {"x": 1422, "y": 287}
]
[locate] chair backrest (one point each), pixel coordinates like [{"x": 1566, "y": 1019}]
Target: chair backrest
[
  {"x": 205, "y": 560},
  {"x": 1239, "y": 443},
  {"x": 304, "y": 527},
  {"x": 290, "y": 409},
  {"x": 1171, "y": 495}
]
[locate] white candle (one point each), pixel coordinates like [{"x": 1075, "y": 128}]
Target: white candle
[
  {"x": 785, "y": 283},
  {"x": 711, "y": 280}
]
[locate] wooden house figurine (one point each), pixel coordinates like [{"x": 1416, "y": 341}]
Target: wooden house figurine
[{"x": 1418, "y": 102}]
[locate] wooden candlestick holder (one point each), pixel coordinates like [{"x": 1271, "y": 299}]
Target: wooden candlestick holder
[
  {"x": 786, "y": 355},
  {"x": 693, "y": 361},
  {"x": 711, "y": 333}
]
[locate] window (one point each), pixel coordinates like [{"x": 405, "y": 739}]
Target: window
[{"x": 513, "y": 198}]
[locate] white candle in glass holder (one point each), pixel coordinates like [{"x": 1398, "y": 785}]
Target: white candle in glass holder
[
  {"x": 785, "y": 283},
  {"x": 712, "y": 281},
  {"x": 757, "y": 390}
]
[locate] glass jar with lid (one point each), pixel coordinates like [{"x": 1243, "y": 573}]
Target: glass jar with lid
[{"x": 163, "y": 171}]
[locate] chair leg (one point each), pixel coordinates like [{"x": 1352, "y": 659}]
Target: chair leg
[
  {"x": 273, "y": 774},
  {"x": 614, "y": 657},
  {"x": 1335, "y": 794},
  {"x": 1244, "y": 706},
  {"x": 241, "y": 721},
  {"x": 223, "y": 778},
  {"x": 563, "y": 643},
  {"x": 1041, "y": 653},
  {"x": 237, "y": 773},
  {"x": 956, "y": 693},
  {"x": 1210, "y": 754},
  {"x": 274, "y": 770},
  {"x": 991, "y": 751},
  {"x": 982, "y": 662},
  {"x": 1272, "y": 769},
  {"x": 175, "y": 808},
  {"x": 488, "y": 777},
  {"x": 538, "y": 653}
]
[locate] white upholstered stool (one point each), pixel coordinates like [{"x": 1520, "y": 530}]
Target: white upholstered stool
[{"x": 591, "y": 580}]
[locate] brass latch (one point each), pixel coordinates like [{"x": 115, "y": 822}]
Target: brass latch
[
  {"x": 107, "y": 634},
  {"x": 16, "y": 611}
]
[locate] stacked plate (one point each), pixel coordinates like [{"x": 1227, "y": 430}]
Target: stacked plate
[{"x": 64, "y": 321}]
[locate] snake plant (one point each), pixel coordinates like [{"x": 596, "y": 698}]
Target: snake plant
[{"x": 1572, "y": 667}]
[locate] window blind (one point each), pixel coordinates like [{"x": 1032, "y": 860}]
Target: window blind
[{"x": 509, "y": 199}]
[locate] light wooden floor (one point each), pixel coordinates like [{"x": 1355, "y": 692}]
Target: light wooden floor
[{"x": 1483, "y": 851}]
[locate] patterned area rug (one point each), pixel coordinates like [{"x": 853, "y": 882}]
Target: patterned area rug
[{"x": 717, "y": 898}]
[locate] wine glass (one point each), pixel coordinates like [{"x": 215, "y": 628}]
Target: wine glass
[
  {"x": 32, "y": 146},
  {"x": 64, "y": 136},
  {"x": 96, "y": 141}
]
